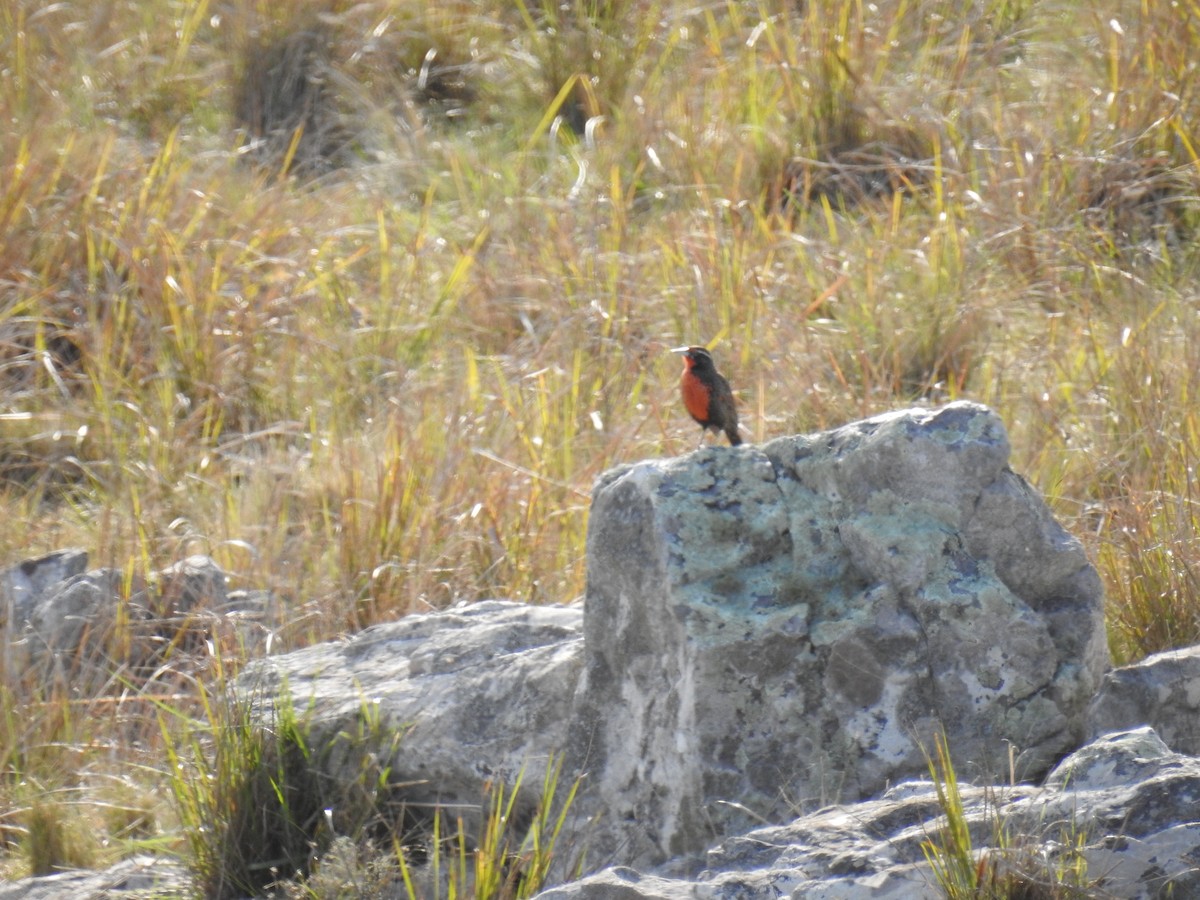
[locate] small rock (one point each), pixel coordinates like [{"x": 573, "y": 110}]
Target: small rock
[
  {"x": 1162, "y": 690},
  {"x": 21, "y": 585}
]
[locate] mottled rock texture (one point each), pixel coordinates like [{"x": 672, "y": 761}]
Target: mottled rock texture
[
  {"x": 1125, "y": 801},
  {"x": 777, "y": 627}
]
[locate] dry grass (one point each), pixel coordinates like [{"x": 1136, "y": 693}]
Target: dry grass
[{"x": 374, "y": 364}]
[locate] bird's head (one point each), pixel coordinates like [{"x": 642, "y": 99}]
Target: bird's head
[{"x": 695, "y": 357}]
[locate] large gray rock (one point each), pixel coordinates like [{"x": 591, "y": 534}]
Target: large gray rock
[
  {"x": 772, "y": 628},
  {"x": 1126, "y": 801},
  {"x": 1162, "y": 690}
]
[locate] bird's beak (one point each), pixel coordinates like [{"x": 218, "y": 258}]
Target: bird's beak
[{"x": 680, "y": 349}]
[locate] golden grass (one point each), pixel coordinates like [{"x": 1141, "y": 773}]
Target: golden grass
[{"x": 388, "y": 386}]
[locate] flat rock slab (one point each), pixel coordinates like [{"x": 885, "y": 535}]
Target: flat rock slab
[
  {"x": 480, "y": 692},
  {"x": 1125, "y": 799},
  {"x": 138, "y": 878}
]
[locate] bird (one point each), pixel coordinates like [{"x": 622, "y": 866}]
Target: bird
[{"x": 706, "y": 394}]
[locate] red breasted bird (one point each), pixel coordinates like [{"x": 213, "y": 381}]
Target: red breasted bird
[{"x": 706, "y": 394}]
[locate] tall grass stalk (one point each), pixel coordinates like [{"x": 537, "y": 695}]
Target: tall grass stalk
[
  {"x": 503, "y": 862},
  {"x": 1008, "y": 863}
]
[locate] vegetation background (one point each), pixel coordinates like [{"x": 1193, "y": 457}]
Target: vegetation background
[{"x": 359, "y": 298}]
